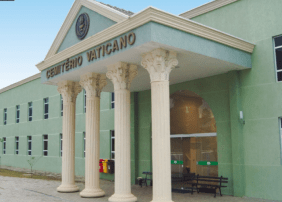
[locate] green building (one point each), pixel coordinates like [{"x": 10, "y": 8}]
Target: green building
[{"x": 209, "y": 105}]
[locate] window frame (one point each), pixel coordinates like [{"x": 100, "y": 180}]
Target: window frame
[
  {"x": 45, "y": 140},
  {"x": 17, "y": 145},
  {"x": 112, "y": 136},
  {"x": 29, "y": 140},
  {"x": 5, "y": 115},
  {"x": 18, "y": 113},
  {"x": 62, "y": 105},
  {"x": 84, "y": 144},
  {"x": 84, "y": 100},
  {"x": 46, "y": 102},
  {"x": 61, "y": 144},
  {"x": 4, "y": 145},
  {"x": 30, "y": 109},
  {"x": 112, "y": 100},
  {"x": 275, "y": 57}
]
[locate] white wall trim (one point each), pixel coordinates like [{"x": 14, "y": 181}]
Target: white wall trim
[
  {"x": 205, "y": 8},
  {"x": 143, "y": 17},
  {"x": 14, "y": 85},
  {"x": 92, "y": 5}
]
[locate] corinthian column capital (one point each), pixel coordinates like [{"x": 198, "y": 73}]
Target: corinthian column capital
[
  {"x": 93, "y": 83},
  {"x": 69, "y": 90},
  {"x": 159, "y": 64},
  {"x": 122, "y": 74}
]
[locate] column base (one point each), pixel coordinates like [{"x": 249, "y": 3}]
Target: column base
[
  {"x": 123, "y": 197},
  {"x": 68, "y": 188},
  {"x": 92, "y": 193}
]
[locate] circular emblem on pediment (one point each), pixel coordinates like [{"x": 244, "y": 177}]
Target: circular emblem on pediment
[{"x": 82, "y": 26}]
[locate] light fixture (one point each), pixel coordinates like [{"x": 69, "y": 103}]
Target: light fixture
[{"x": 241, "y": 115}]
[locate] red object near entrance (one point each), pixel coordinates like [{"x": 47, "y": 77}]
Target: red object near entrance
[{"x": 101, "y": 165}]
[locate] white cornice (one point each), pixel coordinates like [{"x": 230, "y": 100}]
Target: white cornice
[
  {"x": 206, "y": 8},
  {"x": 14, "y": 85},
  {"x": 92, "y": 5},
  {"x": 143, "y": 17}
]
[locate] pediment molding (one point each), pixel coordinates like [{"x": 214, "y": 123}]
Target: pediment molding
[{"x": 90, "y": 4}]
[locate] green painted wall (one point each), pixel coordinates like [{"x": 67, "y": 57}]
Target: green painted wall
[
  {"x": 97, "y": 24},
  {"x": 248, "y": 154},
  {"x": 34, "y": 92},
  {"x": 257, "y": 21}
]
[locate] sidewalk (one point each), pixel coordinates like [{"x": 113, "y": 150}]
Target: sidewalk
[{"x": 33, "y": 190}]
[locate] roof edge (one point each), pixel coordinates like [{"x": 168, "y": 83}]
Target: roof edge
[
  {"x": 122, "y": 11},
  {"x": 19, "y": 83},
  {"x": 205, "y": 8},
  {"x": 107, "y": 7}
]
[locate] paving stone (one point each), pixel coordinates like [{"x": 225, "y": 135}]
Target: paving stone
[{"x": 33, "y": 190}]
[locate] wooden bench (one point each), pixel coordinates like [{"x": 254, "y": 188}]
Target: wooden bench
[
  {"x": 142, "y": 181},
  {"x": 211, "y": 185}
]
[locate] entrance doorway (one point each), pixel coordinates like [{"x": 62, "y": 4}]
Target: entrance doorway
[{"x": 193, "y": 138}]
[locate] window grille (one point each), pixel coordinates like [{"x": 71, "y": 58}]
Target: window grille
[
  {"x": 17, "y": 145},
  {"x": 17, "y": 113},
  {"x": 45, "y": 145},
  {"x": 29, "y": 145},
  {"x": 112, "y": 144},
  {"x": 278, "y": 57},
  {"x": 46, "y": 108},
  {"x": 113, "y": 101},
  {"x": 30, "y": 111}
]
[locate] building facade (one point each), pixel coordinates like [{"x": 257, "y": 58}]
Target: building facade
[{"x": 211, "y": 96}]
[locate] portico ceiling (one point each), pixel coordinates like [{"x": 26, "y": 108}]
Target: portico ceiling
[{"x": 191, "y": 66}]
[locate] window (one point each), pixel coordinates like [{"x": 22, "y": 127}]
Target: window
[
  {"x": 29, "y": 142},
  {"x": 17, "y": 113},
  {"x": 4, "y": 145},
  {"x": 5, "y": 116},
  {"x": 46, "y": 108},
  {"x": 45, "y": 145},
  {"x": 30, "y": 111},
  {"x": 17, "y": 145},
  {"x": 113, "y": 101},
  {"x": 278, "y": 57},
  {"x": 84, "y": 94},
  {"x": 112, "y": 144},
  {"x": 61, "y": 144},
  {"x": 84, "y": 139},
  {"x": 62, "y": 106}
]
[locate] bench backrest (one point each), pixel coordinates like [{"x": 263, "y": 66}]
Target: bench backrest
[{"x": 211, "y": 179}]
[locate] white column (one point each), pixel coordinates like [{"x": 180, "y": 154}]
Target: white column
[
  {"x": 121, "y": 74},
  {"x": 93, "y": 84},
  {"x": 159, "y": 64},
  {"x": 69, "y": 91}
]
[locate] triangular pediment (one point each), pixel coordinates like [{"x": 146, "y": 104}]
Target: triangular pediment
[{"x": 100, "y": 18}]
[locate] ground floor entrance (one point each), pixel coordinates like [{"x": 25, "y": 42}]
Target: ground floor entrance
[
  {"x": 191, "y": 156},
  {"x": 193, "y": 139}
]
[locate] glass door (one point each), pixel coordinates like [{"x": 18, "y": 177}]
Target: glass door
[{"x": 191, "y": 156}]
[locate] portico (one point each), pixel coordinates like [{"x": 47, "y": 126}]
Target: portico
[{"x": 118, "y": 59}]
